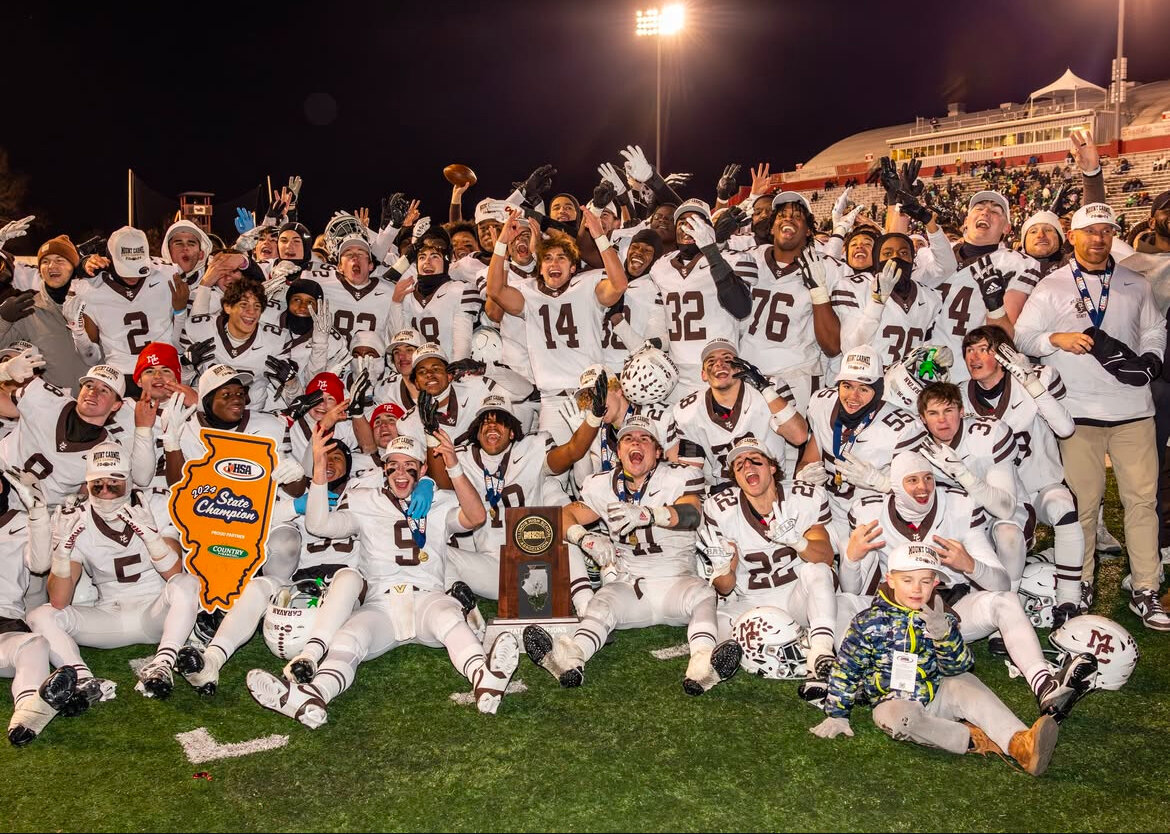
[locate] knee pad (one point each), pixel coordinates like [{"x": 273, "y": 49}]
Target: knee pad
[
  {"x": 816, "y": 574},
  {"x": 25, "y": 641},
  {"x": 284, "y": 553},
  {"x": 444, "y": 615},
  {"x": 182, "y": 587},
  {"x": 46, "y": 616}
]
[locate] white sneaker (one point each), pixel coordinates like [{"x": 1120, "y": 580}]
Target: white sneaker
[
  {"x": 492, "y": 679},
  {"x": 298, "y": 701},
  {"x": 1106, "y": 543}
]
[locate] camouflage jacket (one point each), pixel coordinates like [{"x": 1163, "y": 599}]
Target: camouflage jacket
[{"x": 865, "y": 659}]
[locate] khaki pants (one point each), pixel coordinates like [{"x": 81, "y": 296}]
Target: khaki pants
[{"x": 1131, "y": 448}]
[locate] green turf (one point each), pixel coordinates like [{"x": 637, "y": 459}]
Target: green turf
[{"x": 626, "y": 752}]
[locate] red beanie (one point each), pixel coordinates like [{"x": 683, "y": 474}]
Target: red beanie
[
  {"x": 155, "y": 354},
  {"x": 329, "y": 384},
  {"x": 393, "y": 409}
]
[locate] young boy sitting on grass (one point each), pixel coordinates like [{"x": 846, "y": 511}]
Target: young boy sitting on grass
[{"x": 909, "y": 660}]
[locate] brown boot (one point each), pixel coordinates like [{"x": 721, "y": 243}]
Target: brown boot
[
  {"x": 1032, "y": 749},
  {"x": 980, "y": 743}
]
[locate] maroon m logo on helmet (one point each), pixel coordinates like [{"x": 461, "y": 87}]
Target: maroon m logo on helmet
[{"x": 1100, "y": 643}]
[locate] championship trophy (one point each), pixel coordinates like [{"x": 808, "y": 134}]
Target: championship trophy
[{"x": 534, "y": 575}]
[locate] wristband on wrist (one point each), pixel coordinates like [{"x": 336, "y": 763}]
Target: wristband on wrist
[
  {"x": 819, "y": 295},
  {"x": 455, "y": 471},
  {"x": 603, "y": 243},
  {"x": 574, "y": 534},
  {"x": 592, "y": 419},
  {"x": 500, "y": 249},
  {"x": 770, "y": 394},
  {"x": 783, "y": 416}
]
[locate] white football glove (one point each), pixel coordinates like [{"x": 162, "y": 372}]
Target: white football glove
[
  {"x": 638, "y": 167},
  {"x": 420, "y": 228},
  {"x": 783, "y": 530},
  {"x": 68, "y": 523},
  {"x": 339, "y": 361},
  {"x": 322, "y": 321},
  {"x": 172, "y": 418},
  {"x": 294, "y": 185},
  {"x": 15, "y": 229},
  {"x": 700, "y": 230},
  {"x": 277, "y": 283},
  {"x": 861, "y": 473},
  {"x": 884, "y": 281},
  {"x": 610, "y": 175},
  {"x": 246, "y": 242},
  {"x": 20, "y": 368},
  {"x": 28, "y": 487},
  {"x": 845, "y": 225},
  {"x": 74, "y": 312},
  {"x": 839, "y": 207},
  {"x": 832, "y": 727},
  {"x": 945, "y": 459},
  {"x": 624, "y": 518},
  {"x": 815, "y": 474},
  {"x": 714, "y": 554},
  {"x": 141, "y": 520},
  {"x": 288, "y": 471},
  {"x": 598, "y": 547},
  {"x": 1024, "y": 372}
]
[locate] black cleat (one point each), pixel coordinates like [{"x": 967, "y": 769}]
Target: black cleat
[
  {"x": 572, "y": 677},
  {"x": 59, "y": 687},
  {"x": 725, "y": 659},
  {"x": 466, "y": 597},
  {"x": 1072, "y": 683},
  {"x": 189, "y": 661},
  {"x": 303, "y": 670},
  {"x": 538, "y": 644},
  {"x": 87, "y": 693}
]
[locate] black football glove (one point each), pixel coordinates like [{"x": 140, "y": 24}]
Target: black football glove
[
  {"x": 889, "y": 180},
  {"x": 19, "y": 306},
  {"x": 914, "y": 209},
  {"x": 428, "y": 412},
  {"x": 360, "y": 395},
  {"x": 992, "y": 283},
  {"x": 197, "y": 354},
  {"x": 600, "y": 394},
  {"x": 908, "y": 181},
  {"x": 729, "y": 223},
  {"x": 301, "y": 406},
  {"x": 538, "y": 184},
  {"x": 394, "y": 210},
  {"x": 603, "y": 195},
  {"x": 465, "y": 367},
  {"x": 727, "y": 186},
  {"x": 281, "y": 371},
  {"x": 1119, "y": 359},
  {"x": 750, "y": 374}
]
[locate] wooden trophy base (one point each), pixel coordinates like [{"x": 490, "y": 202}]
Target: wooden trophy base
[{"x": 553, "y": 625}]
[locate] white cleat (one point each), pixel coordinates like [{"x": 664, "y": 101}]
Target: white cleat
[
  {"x": 297, "y": 701},
  {"x": 496, "y": 673}
]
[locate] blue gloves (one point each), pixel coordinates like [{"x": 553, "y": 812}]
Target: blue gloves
[
  {"x": 421, "y": 498},
  {"x": 244, "y": 221}
]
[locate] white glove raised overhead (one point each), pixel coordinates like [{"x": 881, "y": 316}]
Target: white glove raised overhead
[
  {"x": 700, "y": 230},
  {"x": 28, "y": 487},
  {"x": 15, "y": 229},
  {"x": 638, "y": 167},
  {"x": 610, "y": 174},
  {"x": 322, "y": 322}
]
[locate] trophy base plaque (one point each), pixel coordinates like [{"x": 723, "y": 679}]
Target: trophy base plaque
[{"x": 555, "y": 626}]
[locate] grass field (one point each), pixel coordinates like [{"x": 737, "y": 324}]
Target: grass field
[{"x": 629, "y": 751}]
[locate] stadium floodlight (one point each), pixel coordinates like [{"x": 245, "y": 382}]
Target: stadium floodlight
[{"x": 659, "y": 23}]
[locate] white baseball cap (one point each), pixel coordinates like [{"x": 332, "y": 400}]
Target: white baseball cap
[
  {"x": 862, "y": 364},
  {"x": 639, "y": 422},
  {"x": 129, "y": 252},
  {"x": 430, "y": 350},
  {"x": 717, "y": 344},
  {"x": 404, "y": 444},
  {"x": 990, "y": 197},
  {"x": 791, "y": 197},
  {"x": 217, "y": 376},
  {"x": 108, "y": 374},
  {"x": 107, "y": 460},
  {"x": 367, "y": 338},
  {"x": 409, "y": 336},
  {"x": 354, "y": 240},
  {"x": 746, "y": 444},
  {"x": 693, "y": 205},
  {"x": 914, "y": 556},
  {"x": 589, "y": 376},
  {"x": 1092, "y": 214}
]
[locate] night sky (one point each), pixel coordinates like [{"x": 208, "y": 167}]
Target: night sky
[{"x": 365, "y": 99}]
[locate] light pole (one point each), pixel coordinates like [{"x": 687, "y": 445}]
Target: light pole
[
  {"x": 657, "y": 23},
  {"x": 1119, "y": 74}
]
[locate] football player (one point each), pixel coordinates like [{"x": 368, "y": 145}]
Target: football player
[
  {"x": 651, "y": 509},
  {"x": 441, "y": 309},
  {"x": 402, "y": 560}
]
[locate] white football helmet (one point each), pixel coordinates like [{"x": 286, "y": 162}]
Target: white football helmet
[
  {"x": 648, "y": 376},
  {"x": 1038, "y": 592},
  {"x": 341, "y": 226},
  {"x": 1116, "y": 652},
  {"x": 774, "y": 645},
  {"x": 906, "y": 379},
  {"x": 289, "y": 619},
  {"x": 486, "y": 346}
]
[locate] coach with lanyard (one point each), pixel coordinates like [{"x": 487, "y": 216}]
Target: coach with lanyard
[{"x": 1096, "y": 322}]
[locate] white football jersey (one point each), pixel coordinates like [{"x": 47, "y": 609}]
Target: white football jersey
[
  {"x": 651, "y": 552},
  {"x": 987, "y": 447},
  {"x": 13, "y": 564},
  {"x": 355, "y": 308},
  {"x": 435, "y": 317},
  {"x": 249, "y": 354},
  {"x": 466, "y": 396},
  {"x": 693, "y": 313},
  {"x": 778, "y": 335},
  {"x": 955, "y": 516},
  {"x": 513, "y": 330},
  {"x": 695, "y": 419},
  {"x": 563, "y": 330},
  {"x": 874, "y": 443},
  {"x": 116, "y": 560},
  {"x": 40, "y": 442},
  {"x": 642, "y": 307},
  {"x": 128, "y": 318},
  {"x": 904, "y": 324},
  {"x": 765, "y": 566},
  {"x": 389, "y": 554},
  {"x": 518, "y": 477},
  {"x": 1037, "y": 454}
]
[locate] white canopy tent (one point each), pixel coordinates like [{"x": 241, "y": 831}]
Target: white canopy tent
[{"x": 1068, "y": 81}]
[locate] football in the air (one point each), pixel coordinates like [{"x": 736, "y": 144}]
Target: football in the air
[{"x": 457, "y": 174}]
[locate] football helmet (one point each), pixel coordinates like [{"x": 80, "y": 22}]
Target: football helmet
[
  {"x": 291, "y": 613},
  {"x": 648, "y": 376},
  {"x": 906, "y": 379},
  {"x": 774, "y": 645},
  {"x": 1038, "y": 592},
  {"x": 486, "y": 346},
  {"x": 1116, "y": 652},
  {"x": 341, "y": 226}
]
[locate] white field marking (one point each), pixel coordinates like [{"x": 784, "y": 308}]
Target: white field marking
[
  {"x": 200, "y": 747},
  {"x": 671, "y": 652},
  {"x": 467, "y": 699}
]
